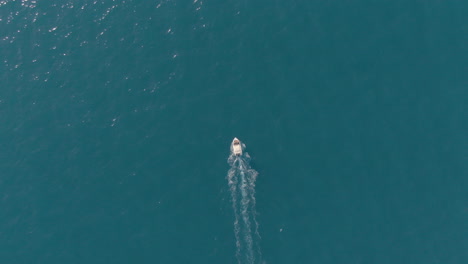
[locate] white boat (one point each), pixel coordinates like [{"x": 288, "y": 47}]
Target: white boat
[{"x": 236, "y": 147}]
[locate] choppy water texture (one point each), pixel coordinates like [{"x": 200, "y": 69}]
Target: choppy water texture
[{"x": 116, "y": 119}]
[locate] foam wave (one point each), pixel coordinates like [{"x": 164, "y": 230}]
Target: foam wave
[{"x": 241, "y": 180}]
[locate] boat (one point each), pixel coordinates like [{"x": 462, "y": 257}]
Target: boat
[{"x": 236, "y": 147}]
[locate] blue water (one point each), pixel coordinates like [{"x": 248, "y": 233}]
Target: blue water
[{"x": 116, "y": 119}]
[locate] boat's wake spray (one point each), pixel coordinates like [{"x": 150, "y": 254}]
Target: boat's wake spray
[{"x": 241, "y": 179}]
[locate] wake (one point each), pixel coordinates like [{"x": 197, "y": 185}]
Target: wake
[{"x": 241, "y": 179}]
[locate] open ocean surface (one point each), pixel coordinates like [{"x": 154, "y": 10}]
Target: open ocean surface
[{"x": 116, "y": 119}]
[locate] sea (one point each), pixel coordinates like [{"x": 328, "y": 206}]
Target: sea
[{"x": 117, "y": 117}]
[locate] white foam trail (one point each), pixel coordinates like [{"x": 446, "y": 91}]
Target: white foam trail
[
  {"x": 232, "y": 181},
  {"x": 241, "y": 180},
  {"x": 246, "y": 217}
]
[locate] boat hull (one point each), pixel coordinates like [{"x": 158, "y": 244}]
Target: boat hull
[{"x": 236, "y": 147}]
